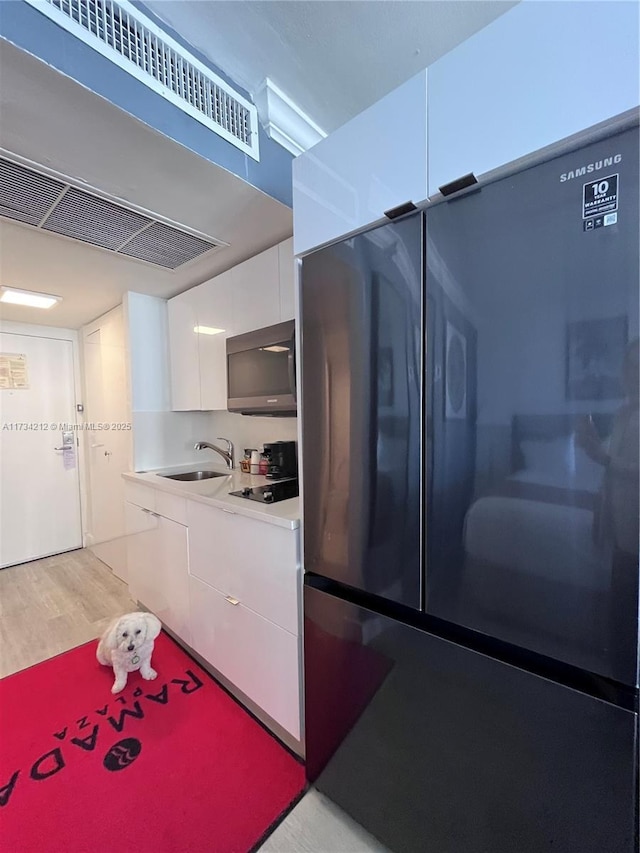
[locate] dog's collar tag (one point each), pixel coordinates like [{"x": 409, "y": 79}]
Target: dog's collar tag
[{"x": 135, "y": 659}]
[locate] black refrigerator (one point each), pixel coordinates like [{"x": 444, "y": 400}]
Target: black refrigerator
[{"x": 470, "y": 483}]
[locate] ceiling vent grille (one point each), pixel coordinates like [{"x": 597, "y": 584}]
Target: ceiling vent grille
[
  {"x": 127, "y": 37},
  {"x": 54, "y": 205},
  {"x": 93, "y": 220}
]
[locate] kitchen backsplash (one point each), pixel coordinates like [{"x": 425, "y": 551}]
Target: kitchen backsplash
[
  {"x": 245, "y": 431},
  {"x": 161, "y": 439}
]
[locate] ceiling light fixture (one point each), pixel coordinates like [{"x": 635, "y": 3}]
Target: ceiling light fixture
[
  {"x": 29, "y": 298},
  {"x": 275, "y": 348},
  {"x": 207, "y": 330}
]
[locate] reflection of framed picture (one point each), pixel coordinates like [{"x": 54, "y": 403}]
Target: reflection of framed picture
[
  {"x": 455, "y": 374},
  {"x": 595, "y": 353},
  {"x": 385, "y": 377}
]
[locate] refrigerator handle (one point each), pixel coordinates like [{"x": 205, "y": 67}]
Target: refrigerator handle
[
  {"x": 291, "y": 366},
  {"x": 327, "y": 413},
  {"x": 373, "y": 419}
]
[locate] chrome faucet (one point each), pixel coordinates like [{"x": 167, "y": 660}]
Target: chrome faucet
[{"x": 227, "y": 454}]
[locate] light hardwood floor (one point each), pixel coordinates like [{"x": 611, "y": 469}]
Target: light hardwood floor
[
  {"x": 52, "y": 605},
  {"x": 49, "y": 606},
  {"x": 317, "y": 825}
]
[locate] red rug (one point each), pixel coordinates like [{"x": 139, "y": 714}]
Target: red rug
[{"x": 167, "y": 766}]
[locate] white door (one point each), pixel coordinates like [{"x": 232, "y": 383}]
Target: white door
[
  {"x": 108, "y": 438},
  {"x": 39, "y": 481}
]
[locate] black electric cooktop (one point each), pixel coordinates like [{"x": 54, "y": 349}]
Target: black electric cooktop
[{"x": 277, "y": 490}]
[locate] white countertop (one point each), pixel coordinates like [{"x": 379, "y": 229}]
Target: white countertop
[{"x": 215, "y": 492}]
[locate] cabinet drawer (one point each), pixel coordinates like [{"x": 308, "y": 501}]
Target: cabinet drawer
[
  {"x": 139, "y": 495},
  {"x": 260, "y": 658},
  {"x": 256, "y": 563},
  {"x": 171, "y": 506}
]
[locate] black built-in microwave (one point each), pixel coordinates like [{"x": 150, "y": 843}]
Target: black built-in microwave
[{"x": 261, "y": 371}]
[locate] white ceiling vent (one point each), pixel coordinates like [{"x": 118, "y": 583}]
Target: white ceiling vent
[
  {"x": 122, "y": 33},
  {"x": 52, "y": 204}
]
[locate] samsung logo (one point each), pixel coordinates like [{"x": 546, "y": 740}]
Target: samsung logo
[{"x": 591, "y": 167}]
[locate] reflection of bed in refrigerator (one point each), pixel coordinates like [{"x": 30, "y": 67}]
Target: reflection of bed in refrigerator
[
  {"x": 532, "y": 561},
  {"x": 536, "y": 539},
  {"x": 548, "y": 465}
]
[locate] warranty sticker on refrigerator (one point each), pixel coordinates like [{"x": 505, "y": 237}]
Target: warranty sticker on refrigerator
[{"x": 600, "y": 203}]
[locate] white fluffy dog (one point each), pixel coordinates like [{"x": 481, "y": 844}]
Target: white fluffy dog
[{"x": 127, "y": 645}]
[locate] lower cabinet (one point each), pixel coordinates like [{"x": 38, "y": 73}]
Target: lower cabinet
[
  {"x": 245, "y": 606},
  {"x": 158, "y": 563},
  {"x": 225, "y": 584},
  {"x": 250, "y": 560},
  {"x": 260, "y": 658}
]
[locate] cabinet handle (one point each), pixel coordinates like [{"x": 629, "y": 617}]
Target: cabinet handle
[
  {"x": 149, "y": 512},
  {"x": 232, "y": 600},
  {"x": 230, "y": 511}
]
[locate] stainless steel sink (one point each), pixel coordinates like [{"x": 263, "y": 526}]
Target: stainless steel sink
[{"x": 194, "y": 475}]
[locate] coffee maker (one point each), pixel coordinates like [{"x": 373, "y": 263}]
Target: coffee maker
[{"x": 282, "y": 457}]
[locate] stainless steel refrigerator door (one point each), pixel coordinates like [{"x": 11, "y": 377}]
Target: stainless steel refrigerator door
[
  {"x": 361, "y": 311},
  {"x": 532, "y": 511}
]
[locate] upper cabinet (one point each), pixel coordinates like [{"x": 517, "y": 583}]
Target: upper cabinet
[
  {"x": 199, "y": 321},
  {"x": 256, "y": 293},
  {"x": 184, "y": 356},
  {"x": 537, "y": 74},
  {"x": 373, "y": 163},
  {"x": 214, "y": 312}
]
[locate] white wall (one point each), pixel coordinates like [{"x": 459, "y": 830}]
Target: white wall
[{"x": 161, "y": 439}]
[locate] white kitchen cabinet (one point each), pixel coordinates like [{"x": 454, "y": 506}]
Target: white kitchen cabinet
[
  {"x": 197, "y": 357},
  {"x": 157, "y": 562},
  {"x": 256, "y": 292},
  {"x": 374, "y": 162},
  {"x": 252, "y": 561},
  {"x": 538, "y": 73},
  {"x": 227, "y": 585},
  {"x": 184, "y": 355},
  {"x": 287, "y": 280},
  {"x": 258, "y": 657},
  {"x": 245, "y": 606},
  {"x": 214, "y": 310},
  {"x": 141, "y": 546}
]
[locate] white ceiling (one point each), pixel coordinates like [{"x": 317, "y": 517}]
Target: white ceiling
[
  {"x": 334, "y": 59},
  {"x": 53, "y": 121}
]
